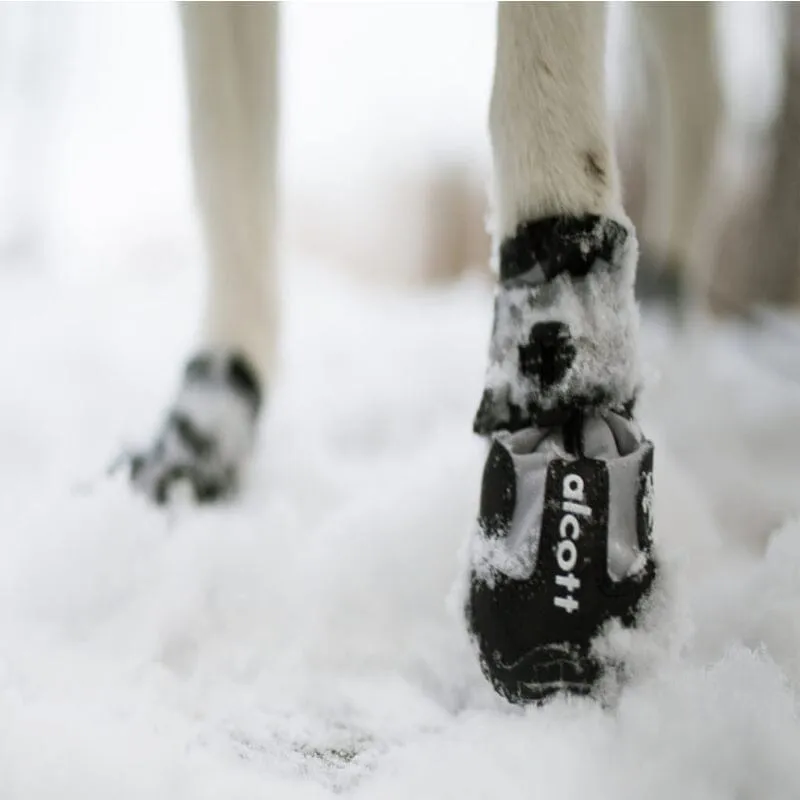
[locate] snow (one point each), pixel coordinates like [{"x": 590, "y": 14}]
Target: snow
[{"x": 304, "y": 641}]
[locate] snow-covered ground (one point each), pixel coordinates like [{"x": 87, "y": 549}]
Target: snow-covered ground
[
  {"x": 304, "y": 641},
  {"x": 299, "y": 642}
]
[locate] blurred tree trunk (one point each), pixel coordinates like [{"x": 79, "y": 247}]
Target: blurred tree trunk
[{"x": 775, "y": 267}]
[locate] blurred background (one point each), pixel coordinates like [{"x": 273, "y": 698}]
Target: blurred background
[
  {"x": 384, "y": 165},
  {"x": 384, "y": 154}
]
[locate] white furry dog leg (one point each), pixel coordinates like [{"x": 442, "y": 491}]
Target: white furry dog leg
[{"x": 230, "y": 54}]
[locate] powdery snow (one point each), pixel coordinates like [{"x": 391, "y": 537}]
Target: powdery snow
[{"x": 303, "y": 642}]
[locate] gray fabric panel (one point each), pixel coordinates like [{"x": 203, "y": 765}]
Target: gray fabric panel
[
  {"x": 523, "y": 538},
  {"x": 530, "y": 455},
  {"x": 623, "y": 541},
  {"x": 618, "y": 442}
]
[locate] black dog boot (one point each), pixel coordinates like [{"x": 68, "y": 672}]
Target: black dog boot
[
  {"x": 564, "y": 541},
  {"x": 208, "y": 433}
]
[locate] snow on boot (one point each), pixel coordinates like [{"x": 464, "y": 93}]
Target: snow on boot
[{"x": 564, "y": 540}]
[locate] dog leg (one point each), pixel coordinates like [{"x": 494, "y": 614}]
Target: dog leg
[
  {"x": 231, "y": 62},
  {"x": 563, "y": 542}
]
